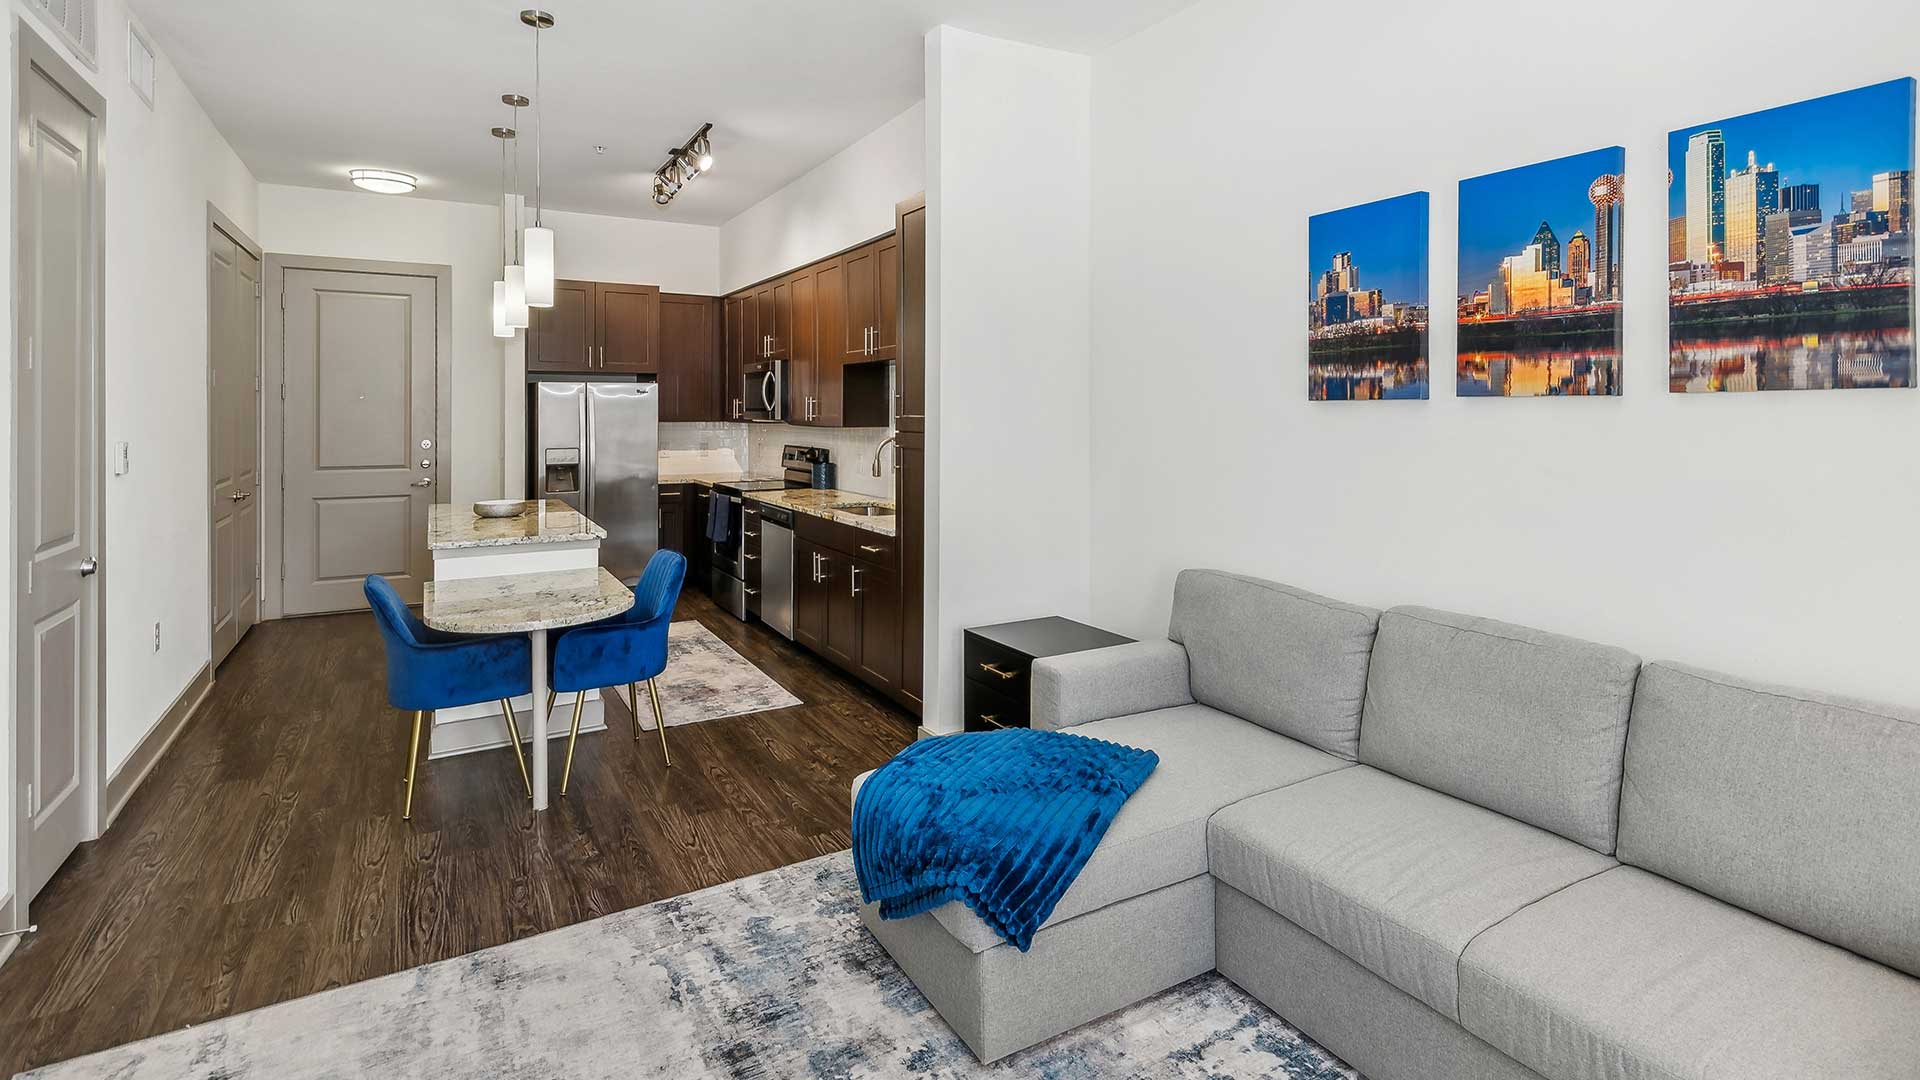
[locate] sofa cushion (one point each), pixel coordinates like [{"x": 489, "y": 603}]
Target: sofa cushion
[
  {"x": 1628, "y": 976},
  {"x": 1207, "y": 760},
  {"x": 1801, "y": 807},
  {"x": 1397, "y": 877},
  {"x": 1521, "y": 721},
  {"x": 1285, "y": 659}
]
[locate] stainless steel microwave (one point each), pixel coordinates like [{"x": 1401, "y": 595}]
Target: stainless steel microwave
[{"x": 763, "y": 389}]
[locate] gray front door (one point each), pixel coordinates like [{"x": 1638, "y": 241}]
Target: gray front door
[
  {"x": 233, "y": 273},
  {"x": 358, "y": 435},
  {"x": 57, "y": 509}
]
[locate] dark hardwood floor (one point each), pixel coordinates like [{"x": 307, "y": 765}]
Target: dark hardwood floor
[{"x": 265, "y": 858}]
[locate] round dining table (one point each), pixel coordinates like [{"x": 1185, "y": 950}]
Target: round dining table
[{"x": 530, "y": 604}]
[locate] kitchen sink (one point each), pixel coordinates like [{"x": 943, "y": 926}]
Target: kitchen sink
[{"x": 866, "y": 510}]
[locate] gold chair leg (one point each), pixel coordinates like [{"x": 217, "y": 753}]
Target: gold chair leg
[
  {"x": 551, "y": 695},
  {"x": 413, "y": 761},
  {"x": 633, "y": 698},
  {"x": 513, "y": 732},
  {"x": 659, "y": 721},
  {"x": 573, "y": 736}
]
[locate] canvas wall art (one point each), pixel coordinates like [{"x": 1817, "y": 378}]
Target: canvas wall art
[
  {"x": 1367, "y": 301},
  {"x": 1540, "y": 284},
  {"x": 1790, "y": 246}
]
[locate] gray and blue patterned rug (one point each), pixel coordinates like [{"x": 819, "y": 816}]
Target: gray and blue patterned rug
[{"x": 771, "y": 976}]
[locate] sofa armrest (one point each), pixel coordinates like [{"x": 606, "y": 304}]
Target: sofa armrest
[{"x": 1076, "y": 688}]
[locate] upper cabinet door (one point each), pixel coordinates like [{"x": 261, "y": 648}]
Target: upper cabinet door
[
  {"x": 769, "y": 330},
  {"x": 561, "y": 337},
  {"x": 803, "y": 367},
  {"x": 628, "y": 318},
  {"x": 910, "y": 372},
  {"x": 862, "y": 280},
  {"x": 886, "y": 299},
  {"x": 689, "y": 357},
  {"x": 732, "y": 349},
  {"x": 780, "y": 340}
]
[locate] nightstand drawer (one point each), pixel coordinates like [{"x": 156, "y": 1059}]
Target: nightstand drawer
[
  {"x": 995, "y": 666},
  {"x": 988, "y": 708}
]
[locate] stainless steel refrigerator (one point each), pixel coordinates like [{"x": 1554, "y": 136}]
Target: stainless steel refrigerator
[{"x": 595, "y": 445}]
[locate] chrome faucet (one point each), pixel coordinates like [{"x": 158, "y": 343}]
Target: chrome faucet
[{"x": 876, "y": 453}]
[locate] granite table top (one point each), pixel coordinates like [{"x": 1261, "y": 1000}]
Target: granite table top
[
  {"x": 455, "y": 525},
  {"x": 519, "y": 603}
]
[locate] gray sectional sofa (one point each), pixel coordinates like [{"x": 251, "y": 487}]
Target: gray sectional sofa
[{"x": 1447, "y": 847}]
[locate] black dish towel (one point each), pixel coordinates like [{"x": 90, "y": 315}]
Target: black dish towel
[{"x": 720, "y": 519}]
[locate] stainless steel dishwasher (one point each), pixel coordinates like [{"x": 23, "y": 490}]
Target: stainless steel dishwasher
[{"x": 776, "y": 568}]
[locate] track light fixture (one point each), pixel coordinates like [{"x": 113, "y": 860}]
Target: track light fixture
[{"x": 684, "y": 163}]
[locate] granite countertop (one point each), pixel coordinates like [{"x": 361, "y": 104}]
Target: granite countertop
[
  {"x": 454, "y": 525},
  {"x": 709, "y": 479},
  {"x": 822, "y": 502},
  {"x": 518, "y": 603}
]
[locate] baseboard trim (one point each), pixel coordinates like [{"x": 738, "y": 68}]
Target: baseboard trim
[
  {"x": 9, "y": 920},
  {"x": 921, "y": 732},
  {"x": 123, "y": 783}
]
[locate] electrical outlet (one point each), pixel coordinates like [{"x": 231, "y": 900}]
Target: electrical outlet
[{"x": 156, "y": 637}]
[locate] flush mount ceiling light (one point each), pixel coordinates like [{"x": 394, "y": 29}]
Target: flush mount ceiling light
[
  {"x": 383, "y": 181},
  {"x": 684, "y": 164}
]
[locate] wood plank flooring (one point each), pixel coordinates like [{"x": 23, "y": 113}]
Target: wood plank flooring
[{"x": 265, "y": 858}]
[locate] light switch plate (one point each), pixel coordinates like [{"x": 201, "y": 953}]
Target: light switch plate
[{"x": 122, "y": 459}]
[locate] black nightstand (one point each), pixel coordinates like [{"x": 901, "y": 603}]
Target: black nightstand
[{"x": 999, "y": 660}]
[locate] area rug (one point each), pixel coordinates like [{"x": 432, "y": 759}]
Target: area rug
[
  {"x": 707, "y": 680},
  {"x": 771, "y": 976}
]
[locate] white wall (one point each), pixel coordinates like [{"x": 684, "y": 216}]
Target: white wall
[
  {"x": 844, "y": 200},
  {"x": 164, "y": 164},
  {"x": 1007, "y": 343},
  {"x": 1766, "y": 534},
  {"x": 488, "y": 411}
]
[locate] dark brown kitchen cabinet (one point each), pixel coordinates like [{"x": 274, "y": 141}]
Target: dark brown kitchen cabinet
[
  {"x": 839, "y": 574},
  {"x": 733, "y": 347},
  {"x": 910, "y": 501},
  {"x": 690, "y": 366},
  {"x": 876, "y": 596},
  {"x": 626, "y": 320},
  {"x": 847, "y": 599},
  {"x": 886, "y": 298},
  {"x": 910, "y": 367},
  {"x": 809, "y": 597},
  {"x": 562, "y": 338},
  {"x": 673, "y": 517},
  {"x": 860, "y": 281}
]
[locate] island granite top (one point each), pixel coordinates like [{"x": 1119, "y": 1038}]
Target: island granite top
[{"x": 455, "y": 525}]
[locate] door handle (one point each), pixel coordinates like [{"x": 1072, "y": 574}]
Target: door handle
[
  {"x": 425, "y": 481},
  {"x": 89, "y": 566},
  {"x": 240, "y": 496}
]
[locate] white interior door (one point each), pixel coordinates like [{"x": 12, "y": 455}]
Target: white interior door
[
  {"x": 57, "y": 509},
  {"x": 233, "y": 275},
  {"x": 358, "y": 436}
]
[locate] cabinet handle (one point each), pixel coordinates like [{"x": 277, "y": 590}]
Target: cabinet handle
[
  {"x": 853, "y": 582},
  {"x": 753, "y": 592},
  {"x": 603, "y": 355},
  {"x": 994, "y": 670},
  {"x": 669, "y": 494},
  {"x": 871, "y": 549},
  {"x": 751, "y": 558},
  {"x": 589, "y": 360},
  {"x": 991, "y": 720}
]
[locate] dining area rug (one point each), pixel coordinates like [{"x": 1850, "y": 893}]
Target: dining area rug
[
  {"x": 769, "y": 976},
  {"x": 707, "y": 680}
]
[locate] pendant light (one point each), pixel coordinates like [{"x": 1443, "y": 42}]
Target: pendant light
[
  {"x": 537, "y": 240},
  {"x": 502, "y": 327},
  {"x": 516, "y": 273}
]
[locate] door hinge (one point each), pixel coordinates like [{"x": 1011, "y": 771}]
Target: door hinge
[
  {"x": 29, "y": 577},
  {"x": 31, "y": 809},
  {"x": 257, "y": 291}
]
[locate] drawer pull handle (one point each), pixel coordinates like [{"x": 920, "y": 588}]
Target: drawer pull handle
[
  {"x": 994, "y": 670},
  {"x": 871, "y": 548},
  {"x": 753, "y": 592},
  {"x": 750, "y": 558},
  {"x": 991, "y": 719}
]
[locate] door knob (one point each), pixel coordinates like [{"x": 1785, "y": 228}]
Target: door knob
[
  {"x": 89, "y": 566},
  {"x": 425, "y": 481}
]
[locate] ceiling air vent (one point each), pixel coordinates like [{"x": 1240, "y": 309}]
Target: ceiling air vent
[{"x": 74, "y": 21}]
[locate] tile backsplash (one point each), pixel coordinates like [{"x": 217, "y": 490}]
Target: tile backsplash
[
  {"x": 759, "y": 446},
  {"x": 852, "y": 451}
]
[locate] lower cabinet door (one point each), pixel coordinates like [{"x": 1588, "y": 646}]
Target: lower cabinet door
[
  {"x": 809, "y": 598},
  {"x": 843, "y": 610},
  {"x": 878, "y": 592},
  {"x": 673, "y": 535}
]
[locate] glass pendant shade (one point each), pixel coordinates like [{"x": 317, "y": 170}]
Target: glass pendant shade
[
  {"x": 537, "y": 244},
  {"x": 500, "y": 327},
  {"x": 517, "y": 297}
]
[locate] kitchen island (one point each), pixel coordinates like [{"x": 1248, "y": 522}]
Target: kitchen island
[{"x": 549, "y": 536}]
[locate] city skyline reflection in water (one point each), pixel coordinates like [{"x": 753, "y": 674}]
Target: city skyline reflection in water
[
  {"x": 1828, "y": 360},
  {"x": 1539, "y": 373},
  {"x": 1381, "y": 375}
]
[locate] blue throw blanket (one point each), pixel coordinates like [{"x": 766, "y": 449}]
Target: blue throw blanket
[{"x": 999, "y": 820}]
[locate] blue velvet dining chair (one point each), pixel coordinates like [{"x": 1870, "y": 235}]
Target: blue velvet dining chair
[
  {"x": 629, "y": 648},
  {"x": 428, "y": 670}
]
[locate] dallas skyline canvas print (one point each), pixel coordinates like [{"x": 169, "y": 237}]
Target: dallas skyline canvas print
[
  {"x": 1540, "y": 287},
  {"x": 1367, "y": 301},
  {"x": 1790, "y": 246}
]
